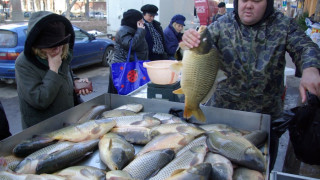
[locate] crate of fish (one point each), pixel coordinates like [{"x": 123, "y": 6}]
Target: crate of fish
[{"x": 114, "y": 136}]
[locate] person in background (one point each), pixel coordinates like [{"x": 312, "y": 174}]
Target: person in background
[
  {"x": 4, "y": 125},
  {"x": 221, "y": 11},
  {"x": 43, "y": 74},
  {"x": 154, "y": 33},
  {"x": 132, "y": 30},
  {"x": 253, "y": 41},
  {"x": 173, "y": 34}
]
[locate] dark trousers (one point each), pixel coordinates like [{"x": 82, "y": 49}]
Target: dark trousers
[
  {"x": 4, "y": 125},
  {"x": 111, "y": 88}
]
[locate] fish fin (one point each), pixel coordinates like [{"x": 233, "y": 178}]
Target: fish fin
[
  {"x": 183, "y": 46},
  {"x": 219, "y": 77},
  {"x": 178, "y": 91},
  {"x": 176, "y": 67},
  {"x": 198, "y": 114},
  {"x": 110, "y": 144},
  {"x": 177, "y": 171}
]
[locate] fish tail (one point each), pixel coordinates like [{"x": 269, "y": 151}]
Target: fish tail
[
  {"x": 197, "y": 113},
  {"x": 178, "y": 91}
]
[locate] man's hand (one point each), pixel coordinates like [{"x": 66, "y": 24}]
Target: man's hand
[
  {"x": 191, "y": 38},
  {"x": 310, "y": 81}
]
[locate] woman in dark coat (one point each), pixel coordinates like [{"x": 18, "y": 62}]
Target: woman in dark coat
[
  {"x": 173, "y": 34},
  {"x": 154, "y": 33},
  {"x": 132, "y": 30},
  {"x": 43, "y": 74}
]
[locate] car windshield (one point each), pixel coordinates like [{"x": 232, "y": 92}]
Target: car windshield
[{"x": 8, "y": 39}]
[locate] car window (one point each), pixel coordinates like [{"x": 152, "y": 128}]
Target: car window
[
  {"x": 8, "y": 39},
  {"x": 80, "y": 36}
]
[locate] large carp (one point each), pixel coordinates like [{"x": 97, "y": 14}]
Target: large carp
[{"x": 199, "y": 68}]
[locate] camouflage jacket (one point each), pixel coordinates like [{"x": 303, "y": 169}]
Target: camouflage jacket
[{"x": 254, "y": 61}]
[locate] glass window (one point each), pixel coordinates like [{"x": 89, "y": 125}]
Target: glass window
[
  {"x": 80, "y": 36},
  {"x": 8, "y": 39}
]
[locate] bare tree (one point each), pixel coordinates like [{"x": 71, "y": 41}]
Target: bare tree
[
  {"x": 69, "y": 6},
  {"x": 87, "y": 9}
]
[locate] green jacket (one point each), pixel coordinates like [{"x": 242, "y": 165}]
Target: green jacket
[
  {"x": 42, "y": 92},
  {"x": 254, "y": 61}
]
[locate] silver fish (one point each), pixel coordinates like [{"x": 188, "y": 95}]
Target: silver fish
[
  {"x": 257, "y": 137},
  {"x": 196, "y": 142},
  {"x": 115, "y": 151},
  {"x": 5, "y": 175},
  {"x": 93, "y": 113},
  {"x": 189, "y": 158},
  {"x": 181, "y": 128},
  {"x": 198, "y": 172},
  {"x": 242, "y": 173},
  {"x": 9, "y": 162},
  {"x": 118, "y": 175},
  {"x": 117, "y": 113},
  {"x": 66, "y": 157},
  {"x": 145, "y": 165},
  {"x": 236, "y": 149},
  {"x": 29, "y": 164},
  {"x": 136, "y": 120},
  {"x": 174, "y": 141},
  {"x": 222, "y": 168},
  {"x": 82, "y": 173},
  {"x": 165, "y": 118},
  {"x": 223, "y": 128},
  {"x": 134, "y": 135},
  {"x": 131, "y": 107}
]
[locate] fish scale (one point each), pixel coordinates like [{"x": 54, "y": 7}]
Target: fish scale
[{"x": 196, "y": 142}]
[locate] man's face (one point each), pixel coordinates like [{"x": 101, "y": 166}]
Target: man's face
[
  {"x": 148, "y": 17},
  {"x": 222, "y": 10},
  {"x": 251, "y": 11}
]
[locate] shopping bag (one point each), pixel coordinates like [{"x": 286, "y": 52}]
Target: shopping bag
[{"x": 129, "y": 76}]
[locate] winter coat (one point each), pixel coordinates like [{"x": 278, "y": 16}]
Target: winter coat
[
  {"x": 123, "y": 39},
  {"x": 172, "y": 39},
  {"x": 153, "y": 56},
  {"x": 42, "y": 92},
  {"x": 254, "y": 61}
]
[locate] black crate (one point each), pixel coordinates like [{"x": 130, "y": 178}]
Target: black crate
[{"x": 156, "y": 91}]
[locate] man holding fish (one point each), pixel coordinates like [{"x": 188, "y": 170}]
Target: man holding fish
[{"x": 253, "y": 41}]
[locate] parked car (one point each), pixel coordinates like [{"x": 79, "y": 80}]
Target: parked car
[
  {"x": 27, "y": 14},
  {"x": 87, "y": 49},
  {"x": 99, "y": 15},
  {"x": 71, "y": 14}
]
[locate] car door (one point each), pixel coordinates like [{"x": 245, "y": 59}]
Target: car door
[{"x": 86, "y": 50}]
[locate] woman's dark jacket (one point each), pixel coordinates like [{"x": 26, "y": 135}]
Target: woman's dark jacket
[
  {"x": 153, "y": 56},
  {"x": 42, "y": 92},
  {"x": 123, "y": 38},
  {"x": 172, "y": 39}
]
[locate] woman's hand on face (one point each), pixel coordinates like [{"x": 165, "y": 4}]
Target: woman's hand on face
[
  {"x": 140, "y": 24},
  {"x": 54, "y": 57}
]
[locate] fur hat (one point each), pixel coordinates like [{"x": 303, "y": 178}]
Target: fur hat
[
  {"x": 52, "y": 35},
  {"x": 178, "y": 18},
  {"x": 221, "y": 4},
  {"x": 131, "y": 17},
  {"x": 150, "y": 8}
]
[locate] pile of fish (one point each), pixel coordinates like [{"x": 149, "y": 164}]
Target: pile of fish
[{"x": 171, "y": 148}]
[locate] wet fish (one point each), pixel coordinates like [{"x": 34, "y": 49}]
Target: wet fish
[
  {"x": 5, "y": 175},
  {"x": 115, "y": 151},
  {"x": 117, "y": 113},
  {"x": 242, "y": 173},
  {"x": 222, "y": 168},
  {"x": 165, "y": 118},
  {"x": 134, "y": 135},
  {"x": 174, "y": 141},
  {"x": 257, "y": 137},
  {"x": 189, "y": 158},
  {"x": 136, "y": 120},
  {"x": 170, "y": 128},
  {"x": 92, "y": 129},
  {"x": 82, "y": 173},
  {"x": 9, "y": 163},
  {"x": 198, "y": 172},
  {"x": 93, "y": 113},
  {"x": 66, "y": 157},
  {"x": 29, "y": 164},
  {"x": 29, "y": 146},
  {"x": 118, "y": 175},
  {"x": 199, "y": 68},
  {"x": 145, "y": 165},
  {"x": 236, "y": 149},
  {"x": 131, "y": 107},
  {"x": 196, "y": 142},
  {"x": 223, "y": 128}
]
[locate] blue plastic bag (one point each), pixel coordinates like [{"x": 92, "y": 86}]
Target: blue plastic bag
[{"x": 129, "y": 76}]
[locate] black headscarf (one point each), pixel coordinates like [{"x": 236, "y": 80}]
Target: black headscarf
[
  {"x": 131, "y": 17},
  {"x": 267, "y": 13}
]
